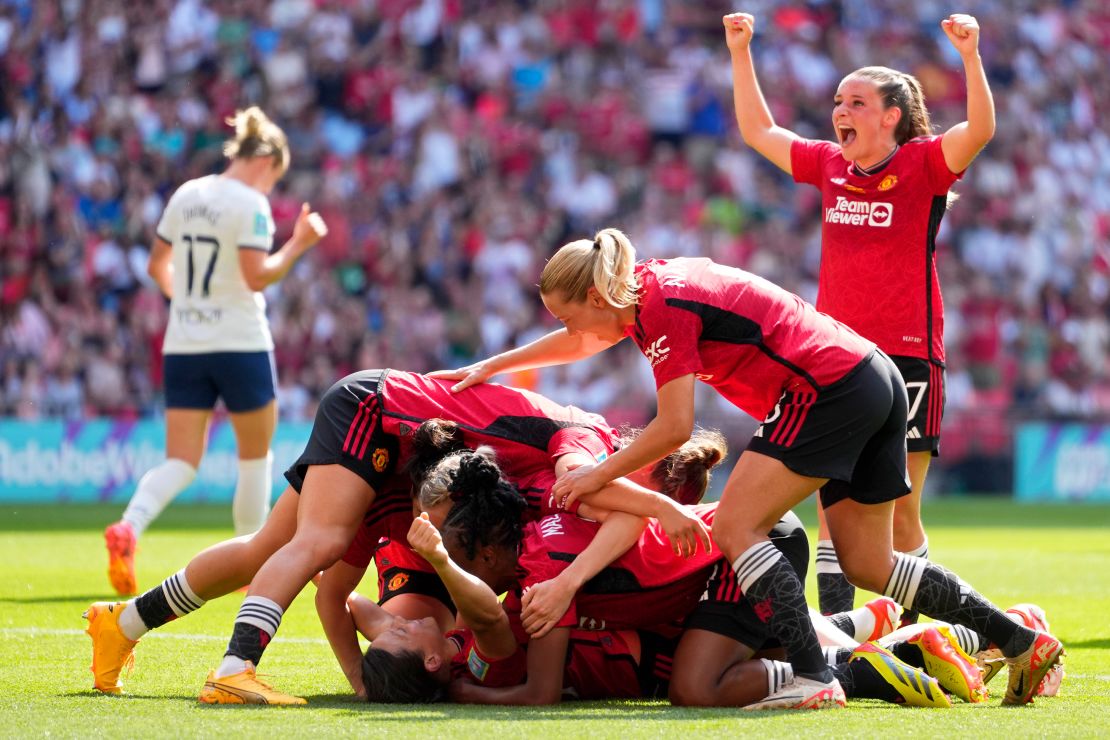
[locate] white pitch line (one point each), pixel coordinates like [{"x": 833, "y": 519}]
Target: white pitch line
[{"x": 36, "y": 631}]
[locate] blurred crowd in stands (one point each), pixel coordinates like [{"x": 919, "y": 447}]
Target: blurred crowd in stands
[{"x": 452, "y": 145}]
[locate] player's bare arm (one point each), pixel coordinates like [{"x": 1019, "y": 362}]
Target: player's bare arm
[
  {"x": 963, "y": 142},
  {"x": 754, "y": 118}
]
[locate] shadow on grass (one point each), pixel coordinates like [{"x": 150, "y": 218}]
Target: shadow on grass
[
  {"x": 348, "y": 706},
  {"x": 79, "y": 598},
  {"x": 652, "y": 710},
  {"x": 1100, "y": 643}
]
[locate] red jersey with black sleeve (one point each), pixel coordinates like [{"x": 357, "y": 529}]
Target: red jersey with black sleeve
[
  {"x": 495, "y": 673},
  {"x": 526, "y": 430},
  {"x": 878, "y": 242},
  {"x": 647, "y": 586},
  {"x": 745, "y": 336},
  {"x": 601, "y": 665}
]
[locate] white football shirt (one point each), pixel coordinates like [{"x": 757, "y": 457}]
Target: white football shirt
[{"x": 207, "y": 221}]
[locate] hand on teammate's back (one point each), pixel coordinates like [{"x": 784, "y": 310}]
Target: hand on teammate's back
[
  {"x": 467, "y": 376},
  {"x": 309, "y": 228},
  {"x": 685, "y": 530},
  {"x": 543, "y": 605}
]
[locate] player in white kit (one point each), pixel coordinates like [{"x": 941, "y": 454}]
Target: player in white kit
[{"x": 211, "y": 257}]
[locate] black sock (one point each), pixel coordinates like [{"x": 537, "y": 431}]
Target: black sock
[
  {"x": 248, "y": 642},
  {"x": 775, "y": 592},
  {"x": 940, "y": 594},
  {"x": 170, "y": 599},
  {"x": 860, "y": 680},
  {"x": 834, "y": 593},
  {"x": 908, "y": 653},
  {"x": 255, "y": 625},
  {"x": 843, "y": 622}
]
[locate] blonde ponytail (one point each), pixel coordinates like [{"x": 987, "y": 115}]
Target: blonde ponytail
[
  {"x": 256, "y": 136},
  {"x": 607, "y": 264}
]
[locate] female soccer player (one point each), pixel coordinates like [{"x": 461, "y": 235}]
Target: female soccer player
[
  {"x": 884, "y": 186},
  {"x": 360, "y": 439},
  {"x": 834, "y": 417},
  {"x": 211, "y": 258},
  {"x": 645, "y": 588},
  {"x": 407, "y": 585}
]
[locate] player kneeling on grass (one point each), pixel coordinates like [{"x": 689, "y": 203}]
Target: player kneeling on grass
[{"x": 587, "y": 664}]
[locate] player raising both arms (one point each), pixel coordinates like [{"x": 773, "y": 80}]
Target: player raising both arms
[
  {"x": 884, "y": 184},
  {"x": 211, "y": 258}
]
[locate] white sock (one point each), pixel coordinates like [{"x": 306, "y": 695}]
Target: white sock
[
  {"x": 968, "y": 639},
  {"x": 230, "y": 665},
  {"x": 779, "y": 674},
  {"x": 904, "y": 580},
  {"x": 921, "y": 551},
  {"x": 130, "y": 623},
  {"x": 827, "y": 561},
  {"x": 156, "y": 489},
  {"x": 863, "y": 621},
  {"x": 252, "y": 494}
]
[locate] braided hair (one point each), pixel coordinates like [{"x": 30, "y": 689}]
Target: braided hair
[{"x": 488, "y": 510}]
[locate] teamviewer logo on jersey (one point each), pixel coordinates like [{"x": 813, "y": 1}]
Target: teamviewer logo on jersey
[
  {"x": 656, "y": 352},
  {"x": 859, "y": 213},
  {"x": 881, "y": 214}
]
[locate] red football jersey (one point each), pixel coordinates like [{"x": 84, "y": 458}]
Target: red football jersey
[
  {"x": 878, "y": 237},
  {"x": 526, "y": 430},
  {"x": 471, "y": 664},
  {"x": 741, "y": 334},
  {"x": 601, "y": 665},
  {"x": 647, "y": 586}
]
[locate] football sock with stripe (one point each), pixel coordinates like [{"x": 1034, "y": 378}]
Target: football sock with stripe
[
  {"x": 834, "y": 593},
  {"x": 255, "y": 625},
  {"x": 940, "y": 594},
  {"x": 969, "y": 640},
  {"x": 778, "y": 674},
  {"x": 165, "y": 602},
  {"x": 910, "y": 616},
  {"x": 775, "y": 592},
  {"x": 837, "y": 655}
]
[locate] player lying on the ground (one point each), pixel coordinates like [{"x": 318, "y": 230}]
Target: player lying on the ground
[
  {"x": 358, "y": 444},
  {"x": 484, "y": 530},
  {"x": 835, "y": 412},
  {"x": 436, "y": 450}
]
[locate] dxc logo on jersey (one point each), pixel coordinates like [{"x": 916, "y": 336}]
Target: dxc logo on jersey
[
  {"x": 656, "y": 352},
  {"x": 859, "y": 213}
]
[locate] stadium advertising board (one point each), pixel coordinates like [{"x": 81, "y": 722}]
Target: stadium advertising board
[
  {"x": 102, "y": 460},
  {"x": 1062, "y": 462}
]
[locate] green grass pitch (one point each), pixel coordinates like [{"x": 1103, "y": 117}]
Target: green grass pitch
[{"x": 1057, "y": 556}]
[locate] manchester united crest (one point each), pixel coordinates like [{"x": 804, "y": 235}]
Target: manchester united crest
[{"x": 380, "y": 459}]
